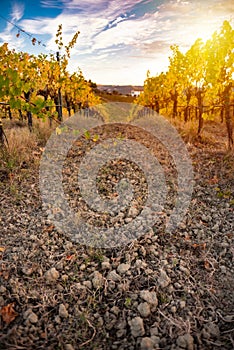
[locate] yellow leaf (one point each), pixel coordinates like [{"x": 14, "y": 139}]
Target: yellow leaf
[
  {"x": 58, "y": 131},
  {"x": 95, "y": 138}
]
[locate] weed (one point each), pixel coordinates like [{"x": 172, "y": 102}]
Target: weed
[
  {"x": 163, "y": 299},
  {"x": 42, "y": 131},
  {"x": 223, "y": 194},
  {"x": 128, "y": 302}
]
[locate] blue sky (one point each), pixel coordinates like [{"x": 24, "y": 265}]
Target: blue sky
[{"x": 119, "y": 39}]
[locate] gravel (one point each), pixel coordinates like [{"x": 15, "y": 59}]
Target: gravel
[
  {"x": 169, "y": 291},
  {"x": 137, "y": 327},
  {"x": 144, "y": 309}
]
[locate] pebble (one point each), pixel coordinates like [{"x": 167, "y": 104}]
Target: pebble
[
  {"x": 123, "y": 268},
  {"x": 182, "y": 304},
  {"x": 154, "y": 331},
  {"x": 156, "y": 340},
  {"x": 64, "y": 277},
  {"x": 32, "y": 317},
  {"x": 3, "y": 289},
  {"x": 133, "y": 212},
  {"x": 211, "y": 330},
  {"x": 68, "y": 347},
  {"x": 173, "y": 309},
  {"x": 137, "y": 327},
  {"x": 140, "y": 264},
  {"x": 144, "y": 309},
  {"x": 150, "y": 297},
  {"x": 205, "y": 218},
  {"x": 128, "y": 220},
  {"x": 177, "y": 285},
  {"x": 28, "y": 271},
  {"x": 97, "y": 280},
  {"x": 63, "y": 311},
  {"x": 185, "y": 341},
  {"x": 60, "y": 288},
  {"x": 82, "y": 267},
  {"x": 120, "y": 333},
  {"x": 112, "y": 275},
  {"x": 184, "y": 269},
  {"x": 60, "y": 266},
  {"x": 57, "y": 319},
  {"x": 87, "y": 284},
  {"x": 223, "y": 269},
  {"x": 106, "y": 265},
  {"x": 115, "y": 310},
  {"x": 147, "y": 344},
  {"x": 111, "y": 285},
  {"x": 52, "y": 275},
  {"x": 163, "y": 279}
]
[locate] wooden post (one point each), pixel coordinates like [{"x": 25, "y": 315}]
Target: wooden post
[
  {"x": 1, "y": 134},
  {"x": 29, "y": 114},
  {"x": 228, "y": 116},
  {"x": 60, "y": 109}
]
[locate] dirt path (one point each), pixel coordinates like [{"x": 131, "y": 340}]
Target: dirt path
[{"x": 162, "y": 291}]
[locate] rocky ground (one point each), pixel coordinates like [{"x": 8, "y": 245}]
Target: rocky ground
[{"x": 161, "y": 291}]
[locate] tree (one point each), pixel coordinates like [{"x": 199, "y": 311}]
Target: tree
[
  {"x": 202, "y": 78},
  {"x": 220, "y": 71},
  {"x": 37, "y": 85}
]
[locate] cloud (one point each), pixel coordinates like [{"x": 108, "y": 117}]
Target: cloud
[
  {"x": 71, "y": 24},
  {"x": 104, "y": 8},
  {"x": 17, "y": 11},
  {"x": 56, "y": 4},
  {"x": 8, "y": 35},
  {"x": 155, "y": 46},
  {"x": 115, "y": 22}
]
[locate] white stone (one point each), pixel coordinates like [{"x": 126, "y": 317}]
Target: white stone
[
  {"x": 63, "y": 311},
  {"x": 52, "y": 275},
  {"x": 32, "y": 317},
  {"x": 97, "y": 280},
  {"x": 106, "y": 265},
  {"x": 147, "y": 344},
  {"x": 112, "y": 275},
  {"x": 123, "y": 268},
  {"x": 150, "y": 297},
  {"x": 137, "y": 327},
  {"x": 163, "y": 279},
  {"x": 185, "y": 341},
  {"x": 144, "y": 309}
]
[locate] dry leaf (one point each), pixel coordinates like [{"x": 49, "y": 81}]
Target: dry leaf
[
  {"x": 49, "y": 229},
  {"x": 214, "y": 180},
  {"x": 199, "y": 245},
  {"x": 2, "y": 249},
  {"x": 70, "y": 257},
  {"x": 207, "y": 265},
  {"x": 8, "y": 313}
]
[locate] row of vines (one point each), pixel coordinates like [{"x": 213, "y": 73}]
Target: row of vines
[
  {"x": 40, "y": 85},
  {"x": 198, "y": 84}
]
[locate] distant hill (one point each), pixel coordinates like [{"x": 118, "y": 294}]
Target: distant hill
[{"x": 121, "y": 89}]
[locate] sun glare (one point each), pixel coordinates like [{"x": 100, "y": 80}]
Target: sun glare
[{"x": 202, "y": 30}]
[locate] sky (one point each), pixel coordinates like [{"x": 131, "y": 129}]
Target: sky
[{"x": 120, "y": 40}]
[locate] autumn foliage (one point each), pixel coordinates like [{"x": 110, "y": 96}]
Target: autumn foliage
[
  {"x": 198, "y": 83},
  {"x": 29, "y": 84}
]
